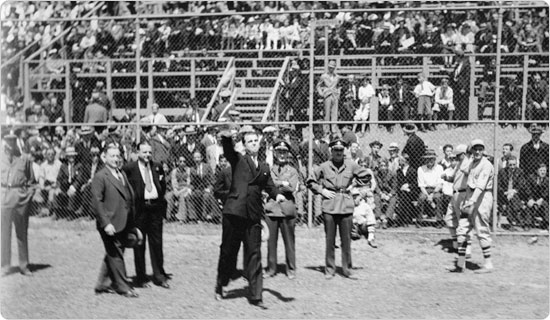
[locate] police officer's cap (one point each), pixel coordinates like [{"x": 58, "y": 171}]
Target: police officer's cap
[
  {"x": 338, "y": 144},
  {"x": 281, "y": 145}
]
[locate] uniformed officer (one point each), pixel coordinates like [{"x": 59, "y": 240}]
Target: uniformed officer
[
  {"x": 282, "y": 215},
  {"x": 476, "y": 208},
  {"x": 16, "y": 177},
  {"x": 332, "y": 179}
]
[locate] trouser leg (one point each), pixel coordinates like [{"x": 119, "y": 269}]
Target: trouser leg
[
  {"x": 273, "y": 227},
  {"x": 330, "y": 238},
  {"x": 344, "y": 225},
  {"x": 253, "y": 259},
  {"x": 21, "y": 222},
  {"x": 229, "y": 248},
  {"x": 287, "y": 230},
  {"x": 7, "y": 214},
  {"x": 155, "y": 245}
]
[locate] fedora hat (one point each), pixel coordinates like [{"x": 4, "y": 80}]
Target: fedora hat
[
  {"x": 85, "y": 130},
  {"x": 393, "y": 146},
  {"x": 430, "y": 154},
  {"x": 70, "y": 151},
  {"x": 270, "y": 129},
  {"x": 410, "y": 128},
  {"x": 376, "y": 143},
  {"x": 332, "y": 64}
]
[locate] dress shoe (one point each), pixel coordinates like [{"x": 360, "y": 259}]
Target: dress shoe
[
  {"x": 484, "y": 270},
  {"x": 456, "y": 269},
  {"x": 372, "y": 243},
  {"x": 163, "y": 284},
  {"x": 27, "y": 273},
  {"x": 258, "y": 303},
  {"x": 142, "y": 284},
  {"x": 130, "y": 294},
  {"x": 291, "y": 275},
  {"x": 104, "y": 290},
  {"x": 329, "y": 276},
  {"x": 219, "y": 294}
]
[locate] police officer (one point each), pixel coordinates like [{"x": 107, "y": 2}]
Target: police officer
[
  {"x": 476, "y": 207},
  {"x": 16, "y": 176},
  {"x": 332, "y": 179},
  {"x": 282, "y": 215}
]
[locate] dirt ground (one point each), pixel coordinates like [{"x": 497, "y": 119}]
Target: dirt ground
[{"x": 404, "y": 278}]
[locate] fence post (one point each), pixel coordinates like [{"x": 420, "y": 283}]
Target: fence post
[
  {"x": 150, "y": 93},
  {"x": 193, "y": 77},
  {"x": 26, "y": 85},
  {"x": 310, "y": 140},
  {"x": 67, "y": 102},
  {"x": 524, "y": 85},
  {"x": 138, "y": 81},
  {"x": 496, "y": 107}
]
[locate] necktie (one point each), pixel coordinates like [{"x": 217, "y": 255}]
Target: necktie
[
  {"x": 70, "y": 173},
  {"x": 148, "y": 183},
  {"x": 443, "y": 92},
  {"x": 510, "y": 183},
  {"x": 120, "y": 177},
  {"x": 200, "y": 170}
]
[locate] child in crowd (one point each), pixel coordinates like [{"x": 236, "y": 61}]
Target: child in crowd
[{"x": 363, "y": 214}]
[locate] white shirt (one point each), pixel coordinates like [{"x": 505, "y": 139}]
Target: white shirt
[
  {"x": 426, "y": 88},
  {"x": 447, "y": 98},
  {"x": 148, "y": 195},
  {"x": 430, "y": 177}
]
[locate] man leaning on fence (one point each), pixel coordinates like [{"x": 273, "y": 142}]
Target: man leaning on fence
[{"x": 332, "y": 180}]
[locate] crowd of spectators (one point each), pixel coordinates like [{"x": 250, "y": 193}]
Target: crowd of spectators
[{"x": 198, "y": 176}]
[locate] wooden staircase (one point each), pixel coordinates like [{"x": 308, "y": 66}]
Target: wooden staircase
[{"x": 255, "y": 80}]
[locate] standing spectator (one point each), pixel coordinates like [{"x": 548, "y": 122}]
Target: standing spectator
[
  {"x": 393, "y": 160},
  {"x": 16, "y": 175},
  {"x": 513, "y": 193},
  {"x": 538, "y": 203},
  {"x": 424, "y": 92},
  {"x": 89, "y": 169},
  {"x": 533, "y": 152},
  {"x": 385, "y": 103},
  {"x": 282, "y": 215},
  {"x": 430, "y": 184},
  {"x": 348, "y": 99},
  {"x": 414, "y": 147},
  {"x": 55, "y": 111},
  {"x": 86, "y": 142},
  {"x": 365, "y": 94},
  {"x": 48, "y": 179},
  {"x": 401, "y": 97},
  {"x": 95, "y": 111},
  {"x": 223, "y": 180},
  {"x": 155, "y": 117},
  {"x": 242, "y": 212},
  {"x": 407, "y": 192},
  {"x": 537, "y": 99},
  {"x": 444, "y": 101},
  {"x": 461, "y": 85},
  {"x": 332, "y": 184},
  {"x": 294, "y": 95},
  {"x": 449, "y": 39},
  {"x": 384, "y": 45},
  {"x": 328, "y": 89},
  {"x": 510, "y": 101},
  {"x": 160, "y": 145},
  {"x": 148, "y": 181},
  {"x": 385, "y": 196}
]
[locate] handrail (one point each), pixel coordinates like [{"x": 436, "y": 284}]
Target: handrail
[
  {"x": 64, "y": 33},
  {"x": 210, "y": 104},
  {"x": 18, "y": 55},
  {"x": 275, "y": 91}
]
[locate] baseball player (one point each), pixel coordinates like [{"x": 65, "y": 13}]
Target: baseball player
[{"x": 476, "y": 208}]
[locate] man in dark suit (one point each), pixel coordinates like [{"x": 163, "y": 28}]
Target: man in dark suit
[
  {"x": 149, "y": 183},
  {"x": 415, "y": 147},
  {"x": 242, "y": 213},
  {"x": 407, "y": 186},
  {"x": 461, "y": 85},
  {"x": 538, "y": 204},
  {"x": 513, "y": 193},
  {"x": 401, "y": 95},
  {"x": 113, "y": 203},
  {"x": 223, "y": 180},
  {"x": 203, "y": 203},
  {"x": 68, "y": 180},
  {"x": 533, "y": 152}
]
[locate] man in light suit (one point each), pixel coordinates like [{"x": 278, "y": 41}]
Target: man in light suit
[
  {"x": 242, "y": 213},
  {"x": 113, "y": 203},
  {"x": 149, "y": 185}
]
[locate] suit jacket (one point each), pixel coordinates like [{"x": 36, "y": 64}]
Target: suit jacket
[
  {"x": 530, "y": 158},
  {"x": 223, "y": 183},
  {"x": 75, "y": 181},
  {"x": 415, "y": 148},
  {"x": 138, "y": 185},
  {"x": 83, "y": 149},
  {"x": 321, "y": 152},
  {"x": 112, "y": 202},
  {"x": 407, "y": 94},
  {"x": 518, "y": 183},
  {"x": 161, "y": 150},
  {"x": 95, "y": 113},
  {"x": 538, "y": 190},
  {"x": 411, "y": 178},
  {"x": 462, "y": 79},
  {"x": 198, "y": 182},
  {"x": 245, "y": 194}
]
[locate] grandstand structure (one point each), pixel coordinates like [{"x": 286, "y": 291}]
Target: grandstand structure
[{"x": 256, "y": 72}]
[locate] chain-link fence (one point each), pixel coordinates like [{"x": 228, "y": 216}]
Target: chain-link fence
[
  {"x": 195, "y": 177},
  {"x": 359, "y": 74}
]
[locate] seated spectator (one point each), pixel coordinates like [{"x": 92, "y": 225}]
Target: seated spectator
[
  {"x": 385, "y": 195},
  {"x": 430, "y": 184},
  {"x": 429, "y": 42},
  {"x": 513, "y": 194},
  {"x": 203, "y": 204},
  {"x": 466, "y": 38},
  {"x": 356, "y": 154},
  {"x": 538, "y": 202},
  {"x": 507, "y": 149},
  {"x": 443, "y": 105},
  {"x": 449, "y": 39},
  {"x": 393, "y": 160},
  {"x": 424, "y": 92},
  {"x": 69, "y": 180},
  {"x": 374, "y": 158},
  {"x": 48, "y": 179},
  {"x": 537, "y": 99},
  {"x": 55, "y": 112},
  {"x": 89, "y": 167},
  {"x": 223, "y": 180},
  {"x": 529, "y": 39},
  {"x": 178, "y": 196},
  {"x": 364, "y": 220},
  {"x": 407, "y": 192}
]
